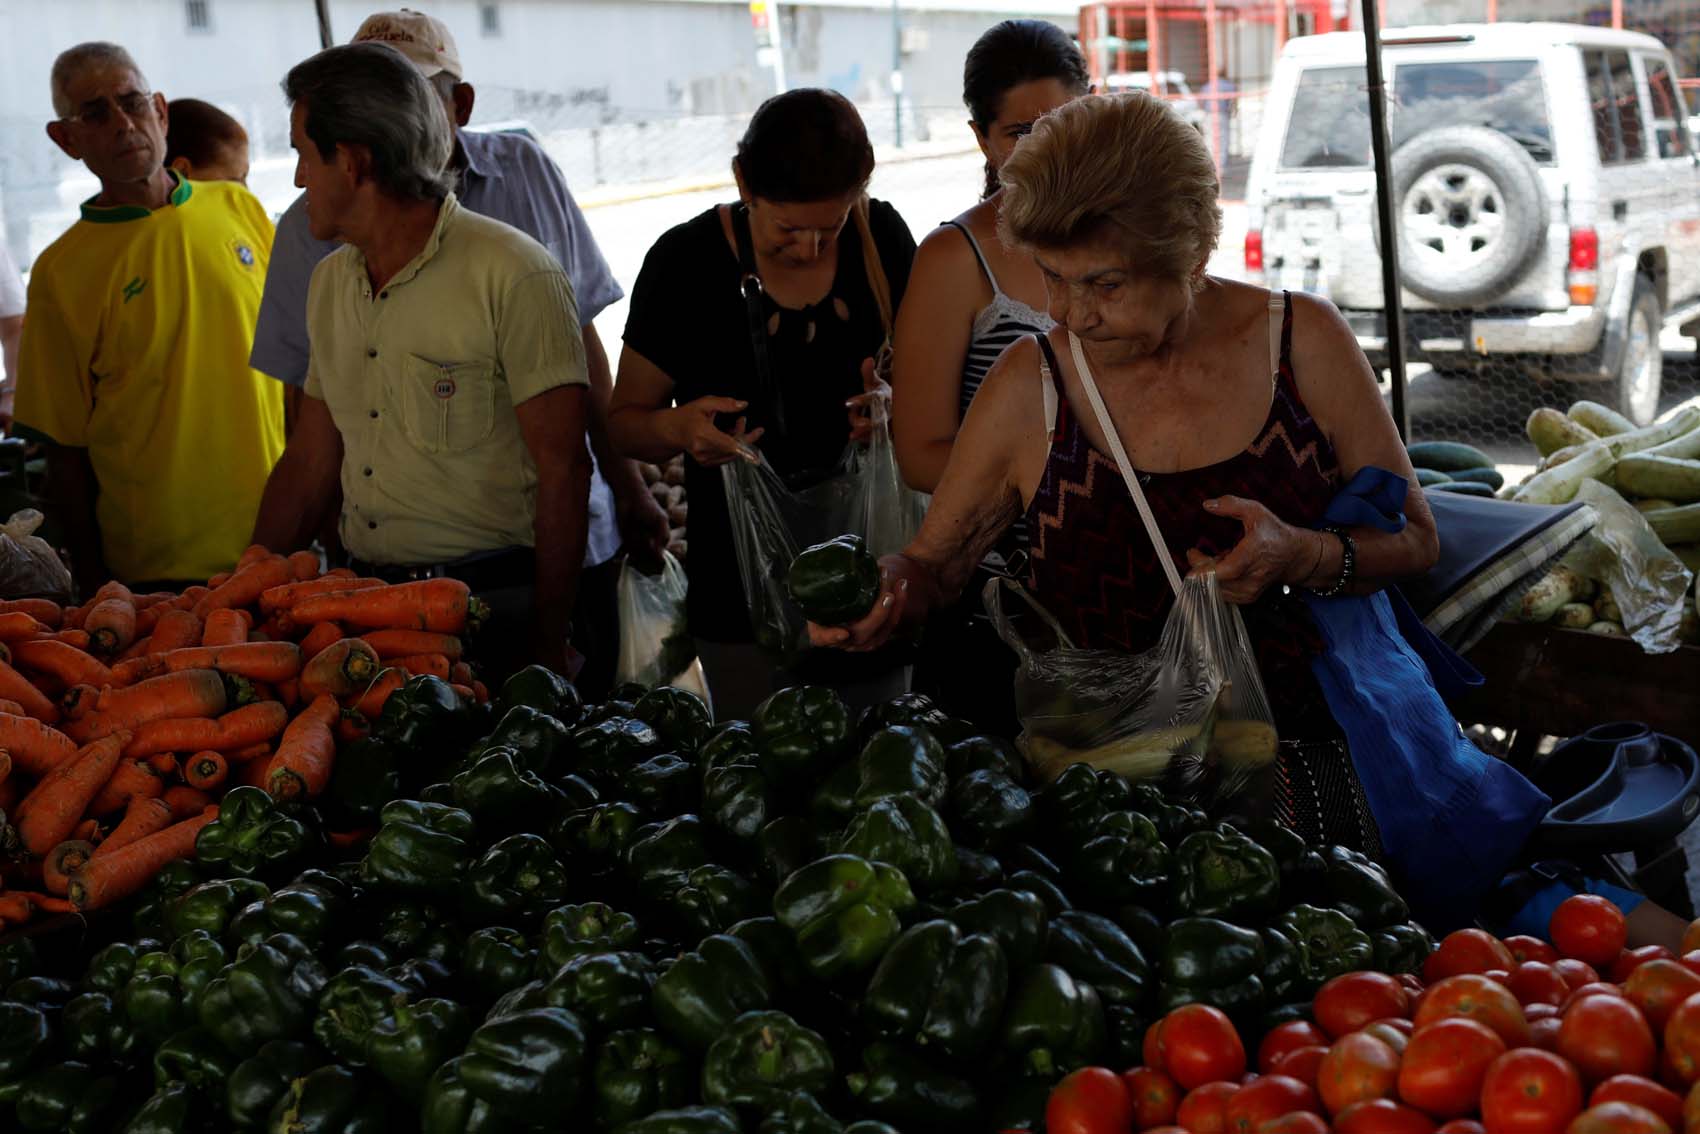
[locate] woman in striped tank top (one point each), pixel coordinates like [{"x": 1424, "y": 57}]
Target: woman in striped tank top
[{"x": 970, "y": 298}]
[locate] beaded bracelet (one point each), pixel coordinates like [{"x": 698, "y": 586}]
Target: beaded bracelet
[{"x": 1348, "y": 562}]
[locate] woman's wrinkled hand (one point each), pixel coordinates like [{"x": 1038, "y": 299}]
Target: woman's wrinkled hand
[
  {"x": 1268, "y": 554},
  {"x": 861, "y": 407},
  {"x": 705, "y": 442},
  {"x": 880, "y": 623}
]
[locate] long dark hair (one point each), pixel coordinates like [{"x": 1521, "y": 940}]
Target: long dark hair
[
  {"x": 1012, "y": 53},
  {"x": 805, "y": 145}
]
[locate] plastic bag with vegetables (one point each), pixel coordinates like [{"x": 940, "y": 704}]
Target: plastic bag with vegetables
[
  {"x": 655, "y": 642},
  {"x": 1191, "y": 711},
  {"x": 1646, "y": 580},
  {"x": 29, "y": 567}
]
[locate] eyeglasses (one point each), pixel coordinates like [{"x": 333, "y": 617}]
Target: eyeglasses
[{"x": 133, "y": 104}]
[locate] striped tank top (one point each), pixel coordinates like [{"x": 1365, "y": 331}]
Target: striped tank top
[{"x": 999, "y": 323}]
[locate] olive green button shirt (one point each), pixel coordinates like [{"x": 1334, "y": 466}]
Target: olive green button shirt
[{"x": 422, "y": 380}]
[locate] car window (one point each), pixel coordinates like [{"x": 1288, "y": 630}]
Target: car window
[
  {"x": 1501, "y": 94},
  {"x": 1670, "y": 128},
  {"x": 1628, "y": 102},
  {"x": 1328, "y": 125}
]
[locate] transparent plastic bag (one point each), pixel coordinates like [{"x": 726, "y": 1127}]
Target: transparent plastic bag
[
  {"x": 655, "y": 641},
  {"x": 1191, "y": 712},
  {"x": 1648, "y": 581},
  {"x": 29, "y": 567},
  {"x": 886, "y": 513}
]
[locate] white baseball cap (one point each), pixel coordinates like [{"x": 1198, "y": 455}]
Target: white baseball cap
[{"x": 425, "y": 40}]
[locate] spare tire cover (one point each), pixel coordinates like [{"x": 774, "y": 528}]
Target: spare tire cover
[{"x": 1471, "y": 214}]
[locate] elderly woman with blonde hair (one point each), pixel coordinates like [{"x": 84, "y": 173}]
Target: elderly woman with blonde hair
[{"x": 1240, "y": 414}]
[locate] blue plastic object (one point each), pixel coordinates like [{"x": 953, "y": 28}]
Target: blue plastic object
[{"x": 1617, "y": 787}]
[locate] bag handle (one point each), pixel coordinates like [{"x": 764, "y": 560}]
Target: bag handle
[
  {"x": 872, "y": 265},
  {"x": 750, "y": 286},
  {"x": 1117, "y": 450}
]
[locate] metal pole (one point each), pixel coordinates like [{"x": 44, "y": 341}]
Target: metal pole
[
  {"x": 778, "y": 32},
  {"x": 897, "y": 73},
  {"x": 324, "y": 10},
  {"x": 1391, "y": 292}
]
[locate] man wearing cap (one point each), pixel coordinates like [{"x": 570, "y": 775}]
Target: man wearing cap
[
  {"x": 510, "y": 178},
  {"x": 446, "y": 380},
  {"x": 134, "y": 363}
]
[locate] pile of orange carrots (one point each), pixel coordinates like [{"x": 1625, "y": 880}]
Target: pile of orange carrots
[{"x": 122, "y": 721}]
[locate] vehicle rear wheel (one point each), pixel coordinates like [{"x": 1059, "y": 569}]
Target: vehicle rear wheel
[
  {"x": 1640, "y": 373},
  {"x": 1472, "y": 213}
]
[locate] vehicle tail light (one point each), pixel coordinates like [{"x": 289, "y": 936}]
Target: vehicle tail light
[
  {"x": 1584, "y": 266},
  {"x": 1254, "y": 250}
]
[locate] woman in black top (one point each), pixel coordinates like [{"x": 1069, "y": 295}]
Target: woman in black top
[{"x": 690, "y": 379}]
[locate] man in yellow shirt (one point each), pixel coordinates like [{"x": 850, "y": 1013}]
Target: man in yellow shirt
[
  {"x": 446, "y": 377},
  {"x": 134, "y": 365}
]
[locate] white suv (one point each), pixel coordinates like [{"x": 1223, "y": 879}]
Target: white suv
[{"x": 1547, "y": 191}]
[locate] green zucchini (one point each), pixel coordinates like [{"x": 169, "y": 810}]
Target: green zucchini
[
  {"x": 1446, "y": 456},
  {"x": 1559, "y": 485},
  {"x": 1487, "y": 475},
  {"x": 1676, "y": 525},
  {"x": 1466, "y": 488},
  {"x": 1428, "y": 478},
  {"x": 1683, "y": 445},
  {"x": 1683, "y": 421},
  {"x": 1667, "y": 478},
  {"x": 1604, "y": 421},
  {"x": 1551, "y": 431}
]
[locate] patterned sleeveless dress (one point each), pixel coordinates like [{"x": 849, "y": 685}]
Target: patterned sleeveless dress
[{"x": 1094, "y": 568}]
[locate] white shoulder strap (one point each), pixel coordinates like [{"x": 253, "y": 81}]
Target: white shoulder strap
[
  {"x": 1277, "y": 310},
  {"x": 1119, "y": 451},
  {"x": 1047, "y": 390}
]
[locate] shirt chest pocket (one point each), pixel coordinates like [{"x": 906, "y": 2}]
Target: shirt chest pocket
[{"x": 447, "y": 407}]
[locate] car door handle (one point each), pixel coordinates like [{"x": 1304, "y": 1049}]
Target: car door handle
[
  {"x": 1354, "y": 192},
  {"x": 1619, "y": 210}
]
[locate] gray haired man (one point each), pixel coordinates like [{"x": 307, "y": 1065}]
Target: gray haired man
[
  {"x": 508, "y": 177},
  {"x": 446, "y": 380}
]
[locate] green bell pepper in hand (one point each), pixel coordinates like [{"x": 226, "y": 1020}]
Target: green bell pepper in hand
[
  {"x": 988, "y": 809},
  {"x": 1095, "y": 950},
  {"x": 1401, "y": 948},
  {"x": 211, "y": 905},
  {"x": 1122, "y": 860},
  {"x": 1223, "y": 874},
  {"x": 1016, "y": 919},
  {"x": 1328, "y": 943},
  {"x": 843, "y": 912},
  {"x": 70, "y": 1098},
  {"x": 703, "y": 991},
  {"x": 519, "y": 876},
  {"x": 196, "y": 1057},
  {"x": 1361, "y": 890},
  {"x": 350, "y": 1005},
  {"x": 834, "y": 583},
  {"x": 418, "y": 847},
  {"x": 270, "y": 991},
  {"x": 761, "y": 1058},
  {"x": 450, "y": 1107},
  {"x": 413, "y": 1040},
  {"x": 256, "y": 1084},
  {"x": 497, "y": 960},
  {"x": 527, "y": 1064},
  {"x": 1208, "y": 961},
  {"x": 940, "y": 989},
  {"x": 606, "y": 991},
  {"x": 799, "y": 732},
  {"x": 904, "y": 832},
  {"x": 544, "y": 690},
  {"x": 896, "y": 1087},
  {"x": 901, "y": 760},
  {"x": 637, "y": 1073},
  {"x": 332, "y": 1100},
  {"x": 94, "y": 1030},
  {"x": 594, "y": 840},
  {"x": 1053, "y": 1023},
  {"x": 684, "y": 1120},
  {"x": 712, "y": 899},
  {"x": 677, "y": 715},
  {"x": 591, "y": 927},
  {"x": 253, "y": 834}
]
